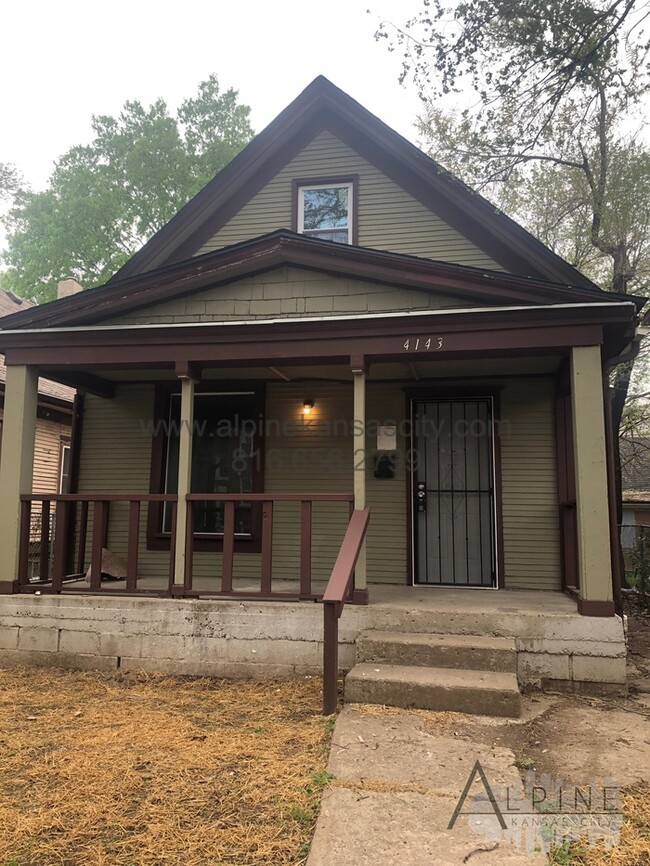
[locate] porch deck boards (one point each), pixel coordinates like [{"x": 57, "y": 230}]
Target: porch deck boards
[{"x": 392, "y": 596}]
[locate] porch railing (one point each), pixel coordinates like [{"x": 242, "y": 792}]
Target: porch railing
[
  {"x": 266, "y": 502},
  {"x": 62, "y": 535},
  {"x": 338, "y": 591},
  {"x": 73, "y": 531},
  {"x": 63, "y": 549}
]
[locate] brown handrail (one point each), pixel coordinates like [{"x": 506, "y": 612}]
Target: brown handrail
[
  {"x": 98, "y": 497},
  {"x": 270, "y": 497},
  {"x": 337, "y": 592}
]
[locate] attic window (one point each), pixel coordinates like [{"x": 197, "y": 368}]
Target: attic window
[{"x": 325, "y": 211}]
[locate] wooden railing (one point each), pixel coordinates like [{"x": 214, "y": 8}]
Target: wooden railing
[
  {"x": 338, "y": 591},
  {"x": 73, "y": 529},
  {"x": 266, "y": 502},
  {"x": 67, "y": 557}
]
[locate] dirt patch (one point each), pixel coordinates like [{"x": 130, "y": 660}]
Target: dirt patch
[
  {"x": 638, "y": 638},
  {"x": 115, "y": 770}
]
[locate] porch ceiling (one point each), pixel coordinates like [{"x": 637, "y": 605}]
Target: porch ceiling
[{"x": 379, "y": 372}]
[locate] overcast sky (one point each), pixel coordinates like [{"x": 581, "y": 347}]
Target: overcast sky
[{"x": 63, "y": 61}]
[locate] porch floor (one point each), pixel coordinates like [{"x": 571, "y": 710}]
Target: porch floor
[{"x": 392, "y": 596}]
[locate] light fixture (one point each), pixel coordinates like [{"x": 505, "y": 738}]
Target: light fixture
[{"x": 307, "y": 406}]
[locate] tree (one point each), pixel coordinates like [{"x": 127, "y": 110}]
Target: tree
[
  {"x": 105, "y": 199},
  {"x": 555, "y": 88},
  {"x": 9, "y": 180}
]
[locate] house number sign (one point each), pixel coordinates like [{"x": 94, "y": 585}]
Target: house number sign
[{"x": 423, "y": 344}]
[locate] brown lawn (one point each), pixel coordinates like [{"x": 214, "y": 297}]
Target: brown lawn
[{"x": 115, "y": 770}]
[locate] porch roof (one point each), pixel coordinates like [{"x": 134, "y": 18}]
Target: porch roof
[
  {"x": 286, "y": 248},
  {"x": 76, "y": 355}
]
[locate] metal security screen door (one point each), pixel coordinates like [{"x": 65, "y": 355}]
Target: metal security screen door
[{"x": 453, "y": 493}]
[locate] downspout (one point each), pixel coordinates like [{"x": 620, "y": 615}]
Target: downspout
[{"x": 615, "y": 542}]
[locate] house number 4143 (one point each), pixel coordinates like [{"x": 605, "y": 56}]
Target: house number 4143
[{"x": 420, "y": 344}]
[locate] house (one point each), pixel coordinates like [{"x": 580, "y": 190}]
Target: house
[
  {"x": 55, "y": 403},
  {"x": 333, "y": 328},
  {"x": 635, "y": 471}
]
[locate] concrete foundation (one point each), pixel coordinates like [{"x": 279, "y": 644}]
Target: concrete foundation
[{"x": 555, "y": 646}]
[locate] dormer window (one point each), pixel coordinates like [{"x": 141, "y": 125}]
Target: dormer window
[{"x": 325, "y": 209}]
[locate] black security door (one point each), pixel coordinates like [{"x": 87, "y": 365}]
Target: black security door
[{"x": 453, "y": 492}]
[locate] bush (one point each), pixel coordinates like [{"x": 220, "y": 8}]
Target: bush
[{"x": 640, "y": 561}]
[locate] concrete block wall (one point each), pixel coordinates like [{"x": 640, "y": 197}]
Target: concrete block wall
[
  {"x": 256, "y": 640},
  {"x": 193, "y": 637}
]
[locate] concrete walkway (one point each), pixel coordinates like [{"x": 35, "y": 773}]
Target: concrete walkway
[{"x": 395, "y": 787}]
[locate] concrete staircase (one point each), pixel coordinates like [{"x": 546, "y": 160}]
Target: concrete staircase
[{"x": 459, "y": 673}]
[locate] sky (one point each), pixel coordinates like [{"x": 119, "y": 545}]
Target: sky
[{"x": 61, "y": 62}]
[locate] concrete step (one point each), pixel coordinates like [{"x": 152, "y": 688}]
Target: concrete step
[
  {"x": 473, "y": 652},
  {"x": 488, "y": 693}
]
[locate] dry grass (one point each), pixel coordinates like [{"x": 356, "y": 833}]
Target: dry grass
[
  {"x": 634, "y": 845},
  {"x": 106, "y": 770}
]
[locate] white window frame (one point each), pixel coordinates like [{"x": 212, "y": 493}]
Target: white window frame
[
  {"x": 349, "y": 185},
  {"x": 65, "y": 447}
]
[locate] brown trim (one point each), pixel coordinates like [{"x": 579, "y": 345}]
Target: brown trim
[
  {"x": 566, "y": 482},
  {"x": 322, "y": 104},
  {"x": 232, "y": 204},
  {"x": 9, "y": 587},
  {"x": 499, "y": 542},
  {"x": 462, "y": 335},
  {"x": 43, "y": 413},
  {"x": 75, "y": 466},
  {"x": 333, "y": 180},
  {"x": 596, "y": 608},
  {"x": 286, "y": 248},
  {"x": 87, "y": 382},
  {"x": 360, "y": 596},
  {"x": 75, "y": 442},
  {"x": 156, "y": 538},
  {"x": 408, "y": 480}
]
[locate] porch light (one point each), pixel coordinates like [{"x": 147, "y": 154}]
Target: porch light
[{"x": 307, "y": 406}]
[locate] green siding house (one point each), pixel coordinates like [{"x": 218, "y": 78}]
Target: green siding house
[{"x": 339, "y": 374}]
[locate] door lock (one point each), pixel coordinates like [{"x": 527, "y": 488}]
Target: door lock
[{"x": 421, "y": 496}]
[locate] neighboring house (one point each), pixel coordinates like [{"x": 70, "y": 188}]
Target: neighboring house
[
  {"x": 635, "y": 470},
  {"x": 334, "y": 323},
  {"x": 54, "y": 419}
]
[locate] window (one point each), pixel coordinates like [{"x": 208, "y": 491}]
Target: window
[
  {"x": 325, "y": 210},
  {"x": 64, "y": 467},
  {"x": 226, "y": 458}
]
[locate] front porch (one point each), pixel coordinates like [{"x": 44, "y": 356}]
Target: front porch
[
  {"x": 555, "y": 647},
  {"x": 517, "y": 505}
]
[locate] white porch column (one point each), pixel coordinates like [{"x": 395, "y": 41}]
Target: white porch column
[
  {"x": 184, "y": 474},
  {"x": 594, "y": 561},
  {"x": 17, "y": 461},
  {"x": 359, "y": 458}
]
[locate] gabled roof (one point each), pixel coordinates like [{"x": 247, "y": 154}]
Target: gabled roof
[
  {"x": 321, "y": 106},
  {"x": 285, "y": 248},
  {"x": 10, "y": 304}
]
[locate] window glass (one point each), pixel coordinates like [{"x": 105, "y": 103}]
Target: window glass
[
  {"x": 223, "y": 439},
  {"x": 64, "y": 478},
  {"x": 325, "y": 212}
]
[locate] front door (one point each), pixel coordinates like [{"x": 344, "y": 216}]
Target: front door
[{"x": 453, "y": 493}]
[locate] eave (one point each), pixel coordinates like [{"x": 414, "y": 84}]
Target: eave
[
  {"x": 476, "y": 333},
  {"x": 285, "y": 248}
]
